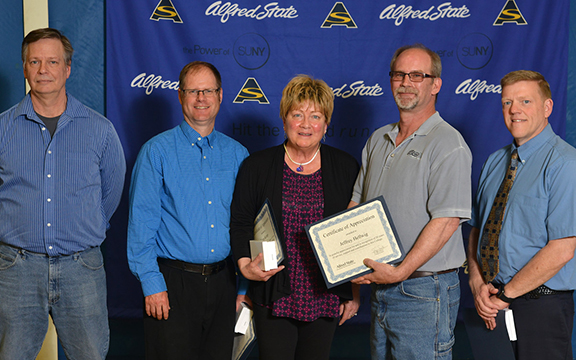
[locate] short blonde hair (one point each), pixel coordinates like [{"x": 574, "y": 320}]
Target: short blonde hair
[
  {"x": 528, "y": 75},
  {"x": 303, "y": 88}
]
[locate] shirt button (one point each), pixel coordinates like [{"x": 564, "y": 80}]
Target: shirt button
[
  {"x": 48, "y": 224},
  {"x": 391, "y": 155},
  {"x": 199, "y": 138},
  {"x": 49, "y": 151},
  {"x": 209, "y": 202},
  {"x": 192, "y": 144},
  {"x": 49, "y": 175},
  {"x": 212, "y": 226},
  {"x": 48, "y": 199},
  {"x": 43, "y": 128},
  {"x": 204, "y": 157},
  {"x": 207, "y": 179},
  {"x": 212, "y": 250},
  {"x": 49, "y": 247}
]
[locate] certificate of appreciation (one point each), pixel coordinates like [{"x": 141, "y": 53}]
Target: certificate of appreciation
[
  {"x": 342, "y": 242},
  {"x": 265, "y": 229}
]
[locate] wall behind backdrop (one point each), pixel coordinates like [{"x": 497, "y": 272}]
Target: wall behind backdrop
[{"x": 129, "y": 55}]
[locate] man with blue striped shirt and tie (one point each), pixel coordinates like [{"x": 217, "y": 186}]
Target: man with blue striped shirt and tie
[{"x": 61, "y": 177}]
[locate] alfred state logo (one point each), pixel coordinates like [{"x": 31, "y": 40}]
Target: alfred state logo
[
  {"x": 510, "y": 13},
  {"x": 165, "y": 10},
  {"x": 251, "y": 91},
  {"x": 339, "y": 16}
]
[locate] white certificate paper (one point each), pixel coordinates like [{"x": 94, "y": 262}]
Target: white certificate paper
[
  {"x": 342, "y": 242},
  {"x": 265, "y": 229}
]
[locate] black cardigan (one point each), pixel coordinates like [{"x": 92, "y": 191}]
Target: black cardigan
[{"x": 260, "y": 178}]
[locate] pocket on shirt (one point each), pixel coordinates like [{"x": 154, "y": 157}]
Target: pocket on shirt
[
  {"x": 81, "y": 170},
  {"x": 525, "y": 215},
  {"x": 226, "y": 181}
]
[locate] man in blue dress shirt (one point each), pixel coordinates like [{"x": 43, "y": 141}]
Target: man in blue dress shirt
[
  {"x": 178, "y": 231},
  {"x": 536, "y": 269},
  {"x": 61, "y": 177}
]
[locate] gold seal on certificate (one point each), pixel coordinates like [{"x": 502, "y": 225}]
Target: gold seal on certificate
[{"x": 342, "y": 242}]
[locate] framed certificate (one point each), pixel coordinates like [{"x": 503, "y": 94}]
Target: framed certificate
[
  {"x": 265, "y": 229},
  {"x": 342, "y": 242}
]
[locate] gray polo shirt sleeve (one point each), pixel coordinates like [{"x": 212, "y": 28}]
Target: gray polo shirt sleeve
[{"x": 449, "y": 185}]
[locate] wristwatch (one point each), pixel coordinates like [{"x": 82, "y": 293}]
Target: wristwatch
[{"x": 500, "y": 295}]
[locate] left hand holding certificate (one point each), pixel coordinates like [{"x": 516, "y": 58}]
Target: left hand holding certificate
[
  {"x": 264, "y": 230},
  {"x": 342, "y": 242}
]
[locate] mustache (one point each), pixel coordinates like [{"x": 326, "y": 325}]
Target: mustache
[{"x": 407, "y": 90}]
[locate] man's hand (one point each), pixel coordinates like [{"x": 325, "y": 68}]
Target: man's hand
[
  {"x": 251, "y": 269},
  {"x": 487, "y": 310},
  {"x": 383, "y": 274},
  {"x": 157, "y": 305}
]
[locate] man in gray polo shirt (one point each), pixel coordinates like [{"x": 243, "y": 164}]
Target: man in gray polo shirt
[{"x": 422, "y": 167}]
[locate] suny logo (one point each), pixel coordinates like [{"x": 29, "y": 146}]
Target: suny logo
[{"x": 251, "y": 51}]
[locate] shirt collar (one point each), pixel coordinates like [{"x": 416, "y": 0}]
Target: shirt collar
[
  {"x": 194, "y": 136},
  {"x": 526, "y": 150},
  {"x": 423, "y": 130},
  {"x": 74, "y": 109}
]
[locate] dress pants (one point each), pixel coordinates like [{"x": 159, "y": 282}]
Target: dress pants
[{"x": 201, "y": 320}]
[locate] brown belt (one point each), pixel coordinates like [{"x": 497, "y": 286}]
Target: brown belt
[
  {"x": 419, "y": 274},
  {"x": 204, "y": 269}
]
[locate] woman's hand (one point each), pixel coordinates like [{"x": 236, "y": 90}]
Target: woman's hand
[
  {"x": 251, "y": 269},
  {"x": 349, "y": 309}
]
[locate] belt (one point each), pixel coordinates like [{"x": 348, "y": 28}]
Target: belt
[
  {"x": 544, "y": 290},
  {"x": 204, "y": 269},
  {"x": 419, "y": 274}
]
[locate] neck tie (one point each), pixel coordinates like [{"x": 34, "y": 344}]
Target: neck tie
[{"x": 489, "y": 241}]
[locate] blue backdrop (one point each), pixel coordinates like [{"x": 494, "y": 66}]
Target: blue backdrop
[
  {"x": 259, "y": 46},
  {"x": 349, "y": 46}
]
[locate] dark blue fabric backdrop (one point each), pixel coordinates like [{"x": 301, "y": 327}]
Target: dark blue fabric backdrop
[{"x": 258, "y": 46}]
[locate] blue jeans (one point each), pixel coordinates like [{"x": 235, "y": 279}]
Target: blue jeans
[
  {"x": 415, "y": 319},
  {"x": 70, "y": 288}
]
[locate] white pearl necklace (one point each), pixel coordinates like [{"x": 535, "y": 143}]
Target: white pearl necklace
[{"x": 300, "y": 168}]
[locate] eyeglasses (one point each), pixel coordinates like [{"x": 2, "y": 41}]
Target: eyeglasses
[
  {"x": 414, "y": 76},
  {"x": 205, "y": 92}
]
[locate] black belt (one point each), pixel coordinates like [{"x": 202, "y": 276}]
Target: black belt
[
  {"x": 204, "y": 269},
  {"x": 419, "y": 274},
  {"x": 544, "y": 290}
]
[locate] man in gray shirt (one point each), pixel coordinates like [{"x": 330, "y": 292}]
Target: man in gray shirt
[{"x": 422, "y": 167}]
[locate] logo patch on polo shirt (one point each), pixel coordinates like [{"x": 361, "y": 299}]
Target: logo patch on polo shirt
[{"x": 415, "y": 154}]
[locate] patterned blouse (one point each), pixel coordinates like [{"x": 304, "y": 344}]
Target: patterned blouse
[{"x": 303, "y": 204}]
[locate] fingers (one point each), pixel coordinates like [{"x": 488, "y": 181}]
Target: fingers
[
  {"x": 347, "y": 311},
  {"x": 361, "y": 281},
  {"x": 490, "y": 324},
  {"x": 371, "y": 263},
  {"x": 157, "y": 305}
]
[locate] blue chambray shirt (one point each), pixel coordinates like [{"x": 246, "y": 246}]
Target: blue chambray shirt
[
  {"x": 541, "y": 205},
  {"x": 58, "y": 193},
  {"x": 180, "y": 195}
]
